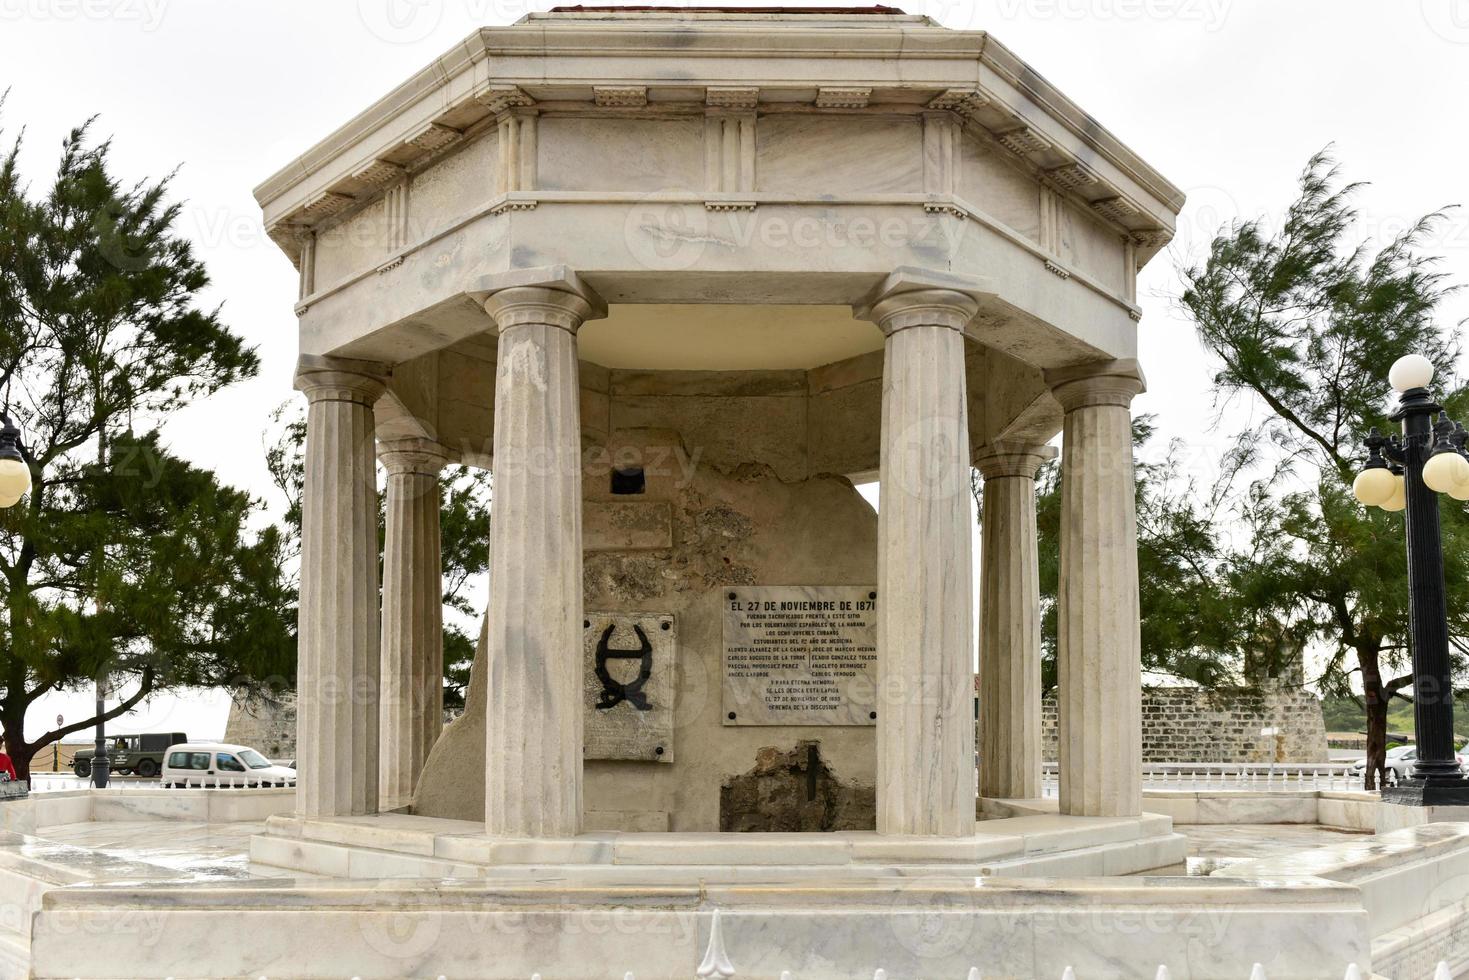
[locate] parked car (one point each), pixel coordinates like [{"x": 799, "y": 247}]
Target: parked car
[
  {"x": 207, "y": 764},
  {"x": 141, "y": 755},
  {"x": 1400, "y": 761}
]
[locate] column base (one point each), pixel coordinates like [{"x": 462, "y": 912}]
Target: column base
[{"x": 1425, "y": 792}]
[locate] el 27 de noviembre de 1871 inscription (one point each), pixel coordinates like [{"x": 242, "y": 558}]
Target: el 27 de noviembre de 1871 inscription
[{"x": 800, "y": 655}]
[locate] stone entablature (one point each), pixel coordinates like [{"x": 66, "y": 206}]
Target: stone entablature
[
  {"x": 831, "y": 62},
  {"x": 852, "y": 125},
  {"x": 1187, "y": 724}
]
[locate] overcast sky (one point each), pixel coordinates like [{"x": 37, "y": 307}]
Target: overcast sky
[{"x": 1227, "y": 98}]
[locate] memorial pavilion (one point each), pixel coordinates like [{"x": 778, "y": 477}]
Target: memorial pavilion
[
  {"x": 817, "y": 245},
  {"x": 681, "y": 280}
]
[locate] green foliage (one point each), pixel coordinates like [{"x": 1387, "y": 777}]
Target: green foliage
[
  {"x": 464, "y": 536},
  {"x": 1306, "y": 323},
  {"x": 1189, "y": 616},
  {"x": 123, "y": 559}
]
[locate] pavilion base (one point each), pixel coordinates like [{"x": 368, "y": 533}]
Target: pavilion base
[
  {"x": 933, "y": 929},
  {"x": 397, "y": 845}
]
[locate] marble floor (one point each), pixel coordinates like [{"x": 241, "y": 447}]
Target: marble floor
[
  {"x": 1214, "y": 846},
  {"x": 178, "y": 850},
  {"x": 196, "y": 851}
]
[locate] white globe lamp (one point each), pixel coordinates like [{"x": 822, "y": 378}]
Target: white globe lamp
[
  {"x": 1410, "y": 371},
  {"x": 1373, "y": 486},
  {"x": 1399, "y": 498},
  {"x": 15, "y": 472},
  {"x": 1445, "y": 471}
]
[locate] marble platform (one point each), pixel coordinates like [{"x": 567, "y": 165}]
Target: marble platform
[
  {"x": 397, "y": 845},
  {"x": 936, "y": 927},
  {"x": 1414, "y": 885},
  {"x": 148, "y": 897}
]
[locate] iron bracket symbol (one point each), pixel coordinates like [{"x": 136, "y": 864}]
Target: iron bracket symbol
[{"x": 614, "y": 692}]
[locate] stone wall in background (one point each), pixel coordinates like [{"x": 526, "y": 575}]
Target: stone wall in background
[
  {"x": 1186, "y": 724},
  {"x": 266, "y": 724}
]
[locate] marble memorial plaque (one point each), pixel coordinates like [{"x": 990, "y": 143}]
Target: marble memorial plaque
[
  {"x": 628, "y": 663},
  {"x": 800, "y": 655}
]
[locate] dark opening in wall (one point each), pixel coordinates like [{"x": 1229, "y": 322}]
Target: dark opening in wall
[
  {"x": 793, "y": 791},
  {"x": 629, "y": 480}
]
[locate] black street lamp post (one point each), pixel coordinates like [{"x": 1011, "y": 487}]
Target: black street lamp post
[
  {"x": 101, "y": 763},
  {"x": 1407, "y": 473}
]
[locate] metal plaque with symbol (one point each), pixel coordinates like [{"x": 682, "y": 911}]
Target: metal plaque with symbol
[{"x": 628, "y": 663}]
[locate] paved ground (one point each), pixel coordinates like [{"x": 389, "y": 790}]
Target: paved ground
[{"x": 1213, "y": 846}]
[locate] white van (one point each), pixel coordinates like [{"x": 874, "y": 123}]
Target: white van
[{"x": 204, "y": 765}]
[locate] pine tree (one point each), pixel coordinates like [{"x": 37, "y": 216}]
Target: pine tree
[{"x": 124, "y": 562}]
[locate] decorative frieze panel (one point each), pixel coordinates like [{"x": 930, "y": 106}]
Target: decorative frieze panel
[
  {"x": 729, "y": 153},
  {"x": 307, "y": 264},
  {"x": 634, "y": 96},
  {"x": 396, "y": 219},
  {"x": 1053, "y": 230},
  {"x": 941, "y": 156},
  {"x": 498, "y": 98},
  {"x": 731, "y": 97},
  {"x": 518, "y": 152},
  {"x": 1074, "y": 176},
  {"x": 378, "y": 173},
  {"x": 843, "y": 98},
  {"x": 1023, "y": 140},
  {"x": 432, "y": 137},
  {"x": 1053, "y": 221},
  {"x": 1119, "y": 209},
  {"x": 326, "y": 204},
  {"x": 1151, "y": 239},
  {"x": 965, "y": 102}
]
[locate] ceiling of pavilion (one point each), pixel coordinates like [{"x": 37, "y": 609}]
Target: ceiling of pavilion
[{"x": 715, "y": 337}]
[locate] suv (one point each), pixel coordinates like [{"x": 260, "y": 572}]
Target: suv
[{"x": 141, "y": 755}]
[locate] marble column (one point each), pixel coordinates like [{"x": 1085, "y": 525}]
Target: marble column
[
  {"x": 337, "y": 660},
  {"x": 925, "y": 728},
  {"x": 1099, "y": 655},
  {"x": 533, "y": 729},
  {"x": 1010, "y": 625},
  {"x": 412, "y": 696}
]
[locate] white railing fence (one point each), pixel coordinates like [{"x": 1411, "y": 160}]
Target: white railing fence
[
  {"x": 69, "y": 782},
  {"x": 226, "y": 782},
  {"x": 1203, "y": 776},
  {"x": 716, "y": 964}
]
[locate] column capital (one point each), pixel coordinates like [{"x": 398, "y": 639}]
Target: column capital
[
  {"x": 912, "y": 297},
  {"x": 553, "y": 295},
  {"x": 341, "y": 379},
  {"x": 413, "y": 455},
  {"x": 1097, "y": 383},
  {"x": 1002, "y": 459}
]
